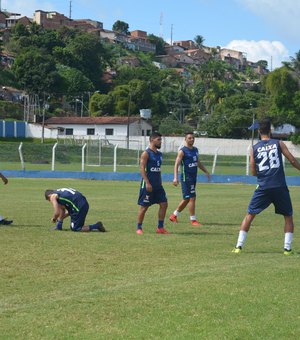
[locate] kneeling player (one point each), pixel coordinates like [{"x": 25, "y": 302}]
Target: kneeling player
[{"x": 70, "y": 202}]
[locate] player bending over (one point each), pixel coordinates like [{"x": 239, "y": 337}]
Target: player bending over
[{"x": 70, "y": 202}]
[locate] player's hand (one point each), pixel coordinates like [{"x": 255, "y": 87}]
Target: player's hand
[
  {"x": 53, "y": 219},
  {"x": 5, "y": 180},
  {"x": 175, "y": 182},
  {"x": 149, "y": 187}
]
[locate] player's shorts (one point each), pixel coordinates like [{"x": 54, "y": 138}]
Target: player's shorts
[
  {"x": 78, "y": 218},
  {"x": 280, "y": 197},
  {"x": 147, "y": 198},
  {"x": 188, "y": 188}
]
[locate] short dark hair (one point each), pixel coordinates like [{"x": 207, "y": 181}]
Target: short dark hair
[
  {"x": 265, "y": 126},
  {"x": 154, "y": 134},
  {"x": 49, "y": 192},
  {"x": 188, "y": 133}
]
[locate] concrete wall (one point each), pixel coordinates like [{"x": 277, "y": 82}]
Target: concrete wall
[{"x": 206, "y": 146}]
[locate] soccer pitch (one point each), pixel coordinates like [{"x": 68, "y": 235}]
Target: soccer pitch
[{"x": 119, "y": 285}]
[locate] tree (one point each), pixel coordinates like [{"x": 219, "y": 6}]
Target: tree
[
  {"x": 199, "y": 40},
  {"x": 74, "y": 82},
  {"x": 158, "y": 42},
  {"x": 121, "y": 27},
  {"x": 36, "y": 72},
  {"x": 101, "y": 104},
  {"x": 84, "y": 52},
  {"x": 294, "y": 64}
]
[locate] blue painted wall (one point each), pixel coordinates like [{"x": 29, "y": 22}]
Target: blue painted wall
[{"x": 129, "y": 176}]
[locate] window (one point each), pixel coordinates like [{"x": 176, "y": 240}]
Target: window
[
  {"x": 90, "y": 132},
  {"x": 69, "y": 132},
  {"x": 109, "y": 132},
  {"x": 148, "y": 132}
]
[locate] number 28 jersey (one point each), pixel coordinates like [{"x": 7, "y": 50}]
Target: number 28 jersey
[{"x": 269, "y": 167}]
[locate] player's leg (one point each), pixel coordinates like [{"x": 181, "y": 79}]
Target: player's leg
[
  {"x": 192, "y": 210},
  {"x": 283, "y": 205},
  {"x": 244, "y": 228},
  {"x": 144, "y": 201},
  {"x": 288, "y": 234},
  {"x": 161, "y": 217},
  {"x": 161, "y": 198},
  {"x": 260, "y": 200},
  {"x": 183, "y": 203}
]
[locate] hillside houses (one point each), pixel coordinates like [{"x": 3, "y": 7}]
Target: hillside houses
[{"x": 177, "y": 55}]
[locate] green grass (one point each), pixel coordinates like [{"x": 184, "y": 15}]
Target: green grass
[{"x": 119, "y": 285}]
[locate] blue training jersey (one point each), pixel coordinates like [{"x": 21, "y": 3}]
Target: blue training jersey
[
  {"x": 269, "y": 167},
  {"x": 153, "y": 168},
  {"x": 70, "y": 198},
  {"x": 189, "y": 163}
]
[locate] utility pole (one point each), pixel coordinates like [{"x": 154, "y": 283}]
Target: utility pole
[{"x": 70, "y": 10}]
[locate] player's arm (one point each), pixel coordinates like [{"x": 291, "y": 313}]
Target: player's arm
[
  {"x": 143, "y": 164},
  {"x": 59, "y": 211},
  {"x": 203, "y": 168},
  {"x": 285, "y": 151},
  {"x": 252, "y": 163},
  {"x": 176, "y": 166},
  {"x": 4, "y": 179}
]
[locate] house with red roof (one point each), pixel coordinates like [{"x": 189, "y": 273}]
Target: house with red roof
[{"x": 100, "y": 126}]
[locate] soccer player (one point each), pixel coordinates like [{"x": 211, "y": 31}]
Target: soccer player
[
  {"x": 266, "y": 164},
  {"x": 3, "y": 220},
  {"x": 70, "y": 202},
  {"x": 188, "y": 158},
  {"x": 151, "y": 189}
]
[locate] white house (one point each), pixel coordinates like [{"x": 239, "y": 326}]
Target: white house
[{"x": 100, "y": 126}]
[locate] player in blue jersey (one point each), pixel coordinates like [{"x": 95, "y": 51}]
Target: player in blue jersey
[
  {"x": 151, "y": 189},
  {"x": 188, "y": 159},
  {"x": 266, "y": 164},
  {"x": 70, "y": 202},
  {"x": 3, "y": 220}
]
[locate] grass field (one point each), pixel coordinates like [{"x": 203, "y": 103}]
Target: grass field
[{"x": 119, "y": 285}]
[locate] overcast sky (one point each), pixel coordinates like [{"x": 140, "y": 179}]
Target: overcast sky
[{"x": 263, "y": 29}]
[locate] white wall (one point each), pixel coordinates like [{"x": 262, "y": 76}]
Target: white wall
[
  {"x": 135, "y": 129},
  {"x": 206, "y": 146},
  {"x": 35, "y": 131}
]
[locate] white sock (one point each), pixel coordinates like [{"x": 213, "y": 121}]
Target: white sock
[
  {"x": 288, "y": 238},
  {"x": 176, "y": 213},
  {"x": 193, "y": 218},
  {"x": 242, "y": 238}
]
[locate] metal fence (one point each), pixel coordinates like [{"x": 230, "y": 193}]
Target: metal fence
[{"x": 108, "y": 156}]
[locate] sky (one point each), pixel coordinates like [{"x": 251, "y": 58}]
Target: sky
[{"x": 262, "y": 29}]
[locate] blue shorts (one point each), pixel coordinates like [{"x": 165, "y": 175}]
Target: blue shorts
[
  {"x": 188, "y": 188},
  {"x": 280, "y": 197},
  {"x": 147, "y": 198},
  {"x": 78, "y": 218}
]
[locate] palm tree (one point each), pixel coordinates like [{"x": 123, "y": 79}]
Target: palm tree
[{"x": 199, "y": 40}]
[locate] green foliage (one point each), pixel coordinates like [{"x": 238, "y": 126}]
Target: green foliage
[
  {"x": 121, "y": 27},
  {"x": 171, "y": 126},
  {"x": 74, "y": 82},
  {"x": 36, "y": 71},
  {"x": 199, "y": 40},
  {"x": 101, "y": 104},
  {"x": 158, "y": 42},
  {"x": 232, "y": 117},
  {"x": 9, "y": 110},
  {"x": 71, "y": 63}
]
